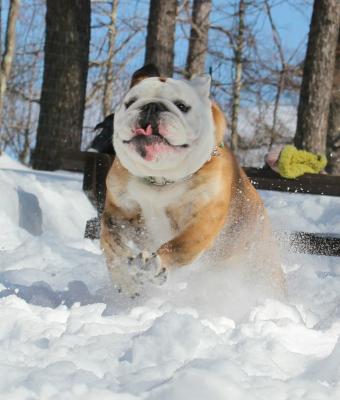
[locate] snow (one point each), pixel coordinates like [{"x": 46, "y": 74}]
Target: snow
[
  {"x": 253, "y": 119},
  {"x": 255, "y": 125},
  {"x": 66, "y": 333}
]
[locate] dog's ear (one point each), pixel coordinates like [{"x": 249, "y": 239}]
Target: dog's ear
[
  {"x": 201, "y": 84},
  {"x": 147, "y": 71}
]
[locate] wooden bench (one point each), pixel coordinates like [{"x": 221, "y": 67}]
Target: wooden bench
[{"x": 95, "y": 167}]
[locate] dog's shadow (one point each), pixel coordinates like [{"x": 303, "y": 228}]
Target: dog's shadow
[{"x": 42, "y": 294}]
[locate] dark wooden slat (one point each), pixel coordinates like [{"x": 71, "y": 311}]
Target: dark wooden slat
[
  {"x": 266, "y": 179},
  {"x": 92, "y": 229},
  {"x": 74, "y": 161},
  {"x": 96, "y": 168},
  {"x": 323, "y": 244}
]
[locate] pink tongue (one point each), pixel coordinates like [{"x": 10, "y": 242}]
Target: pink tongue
[{"x": 145, "y": 132}]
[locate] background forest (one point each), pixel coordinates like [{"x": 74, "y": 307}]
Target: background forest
[{"x": 67, "y": 64}]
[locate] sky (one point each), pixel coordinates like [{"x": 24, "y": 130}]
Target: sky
[{"x": 292, "y": 18}]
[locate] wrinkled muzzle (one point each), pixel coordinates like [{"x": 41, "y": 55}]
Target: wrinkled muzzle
[
  {"x": 155, "y": 131},
  {"x": 150, "y": 114}
]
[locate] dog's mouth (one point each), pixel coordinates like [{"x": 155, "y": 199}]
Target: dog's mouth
[{"x": 149, "y": 143}]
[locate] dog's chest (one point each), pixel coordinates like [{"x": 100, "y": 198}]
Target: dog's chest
[{"x": 154, "y": 202}]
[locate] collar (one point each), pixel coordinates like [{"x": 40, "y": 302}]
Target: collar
[{"x": 161, "y": 181}]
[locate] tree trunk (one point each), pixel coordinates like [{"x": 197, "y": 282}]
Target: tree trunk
[
  {"x": 62, "y": 100},
  {"x": 108, "y": 84},
  {"x": 317, "y": 78},
  {"x": 198, "y": 38},
  {"x": 7, "y": 58},
  {"x": 333, "y": 137},
  {"x": 237, "y": 85},
  {"x": 160, "y": 38}
]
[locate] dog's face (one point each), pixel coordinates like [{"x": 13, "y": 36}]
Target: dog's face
[{"x": 164, "y": 127}]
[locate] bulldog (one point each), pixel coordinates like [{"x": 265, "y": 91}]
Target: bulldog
[{"x": 175, "y": 192}]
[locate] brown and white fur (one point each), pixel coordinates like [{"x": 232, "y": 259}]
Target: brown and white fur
[{"x": 206, "y": 205}]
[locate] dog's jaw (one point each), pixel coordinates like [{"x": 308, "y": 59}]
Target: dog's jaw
[
  {"x": 187, "y": 163},
  {"x": 151, "y": 143}
]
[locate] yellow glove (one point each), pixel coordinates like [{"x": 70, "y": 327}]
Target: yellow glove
[{"x": 293, "y": 162}]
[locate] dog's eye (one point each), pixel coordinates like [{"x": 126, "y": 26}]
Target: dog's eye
[
  {"x": 181, "y": 106},
  {"x": 130, "y": 102}
]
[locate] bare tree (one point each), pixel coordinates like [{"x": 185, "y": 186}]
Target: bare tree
[
  {"x": 198, "y": 37},
  {"x": 25, "y": 148},
  {"x": 333, "y": 136},
  {"x": 64, "y": 81},
  {"x": 282, "y": 71},
  {"x": 21, "y": 103},
  {"x": 161, "y": 35},
  {"x": 237, "y": 85},
  {"x": 262, "y": 85},
  {"x": 108, "y": 82},
  {"x": 7, "y": 57},
  {"x": 317, "y": 79},
  {"x": 1, "y": 27}
]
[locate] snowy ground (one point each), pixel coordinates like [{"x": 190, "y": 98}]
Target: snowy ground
[{"x": 66, "y": 334}]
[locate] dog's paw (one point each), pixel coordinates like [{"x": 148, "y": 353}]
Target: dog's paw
[
  {"x": 149, "y": 268},
  {"x": 132, "y": 293}
]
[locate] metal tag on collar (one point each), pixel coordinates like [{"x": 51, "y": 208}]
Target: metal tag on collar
[
  {"x": 215, "y": 152},
  {"x": 152, "y": 180}
]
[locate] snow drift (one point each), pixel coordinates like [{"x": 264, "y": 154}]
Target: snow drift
[{"x": 67, "y": 334}]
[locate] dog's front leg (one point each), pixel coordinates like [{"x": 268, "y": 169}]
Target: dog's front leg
[
  {"x": 119, "y": 241},
  {"x": 197, "y": 237}
]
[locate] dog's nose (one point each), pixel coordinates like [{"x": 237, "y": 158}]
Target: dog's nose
[
  {"x": 153, "y": 108},
  {"x": 150, "y": 112}
]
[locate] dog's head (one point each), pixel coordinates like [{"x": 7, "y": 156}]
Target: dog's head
[{"x": 164, "y": 127}]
